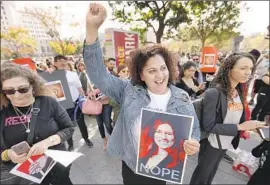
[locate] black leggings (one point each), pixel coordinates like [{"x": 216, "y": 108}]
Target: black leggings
[
  {"x": 81, "y": 123},
  {"x": 129, "y": 177},
  {"x": 209, "y": 159},
  {"x": 105, "y": 117}
]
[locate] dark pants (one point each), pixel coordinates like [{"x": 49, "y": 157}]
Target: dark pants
[
  {"x": 59, "y": 175},
  {"x": 261, "y": 176},
  {"x": 265, "y": 111},
  {"x": 209, "y": 159},
  {"x": 262, "y": 100},
  {"x": 129, "y": 177},
  {"x": 81, "y": 123},
  {"x": 105, "y": 117}
]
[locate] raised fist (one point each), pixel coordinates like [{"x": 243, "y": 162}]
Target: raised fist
[{"x": 95, "y": 16}]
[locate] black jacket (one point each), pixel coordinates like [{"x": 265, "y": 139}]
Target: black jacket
[
  {"x": 212, "y": 119},
  {"x": 52, "y": 119}
]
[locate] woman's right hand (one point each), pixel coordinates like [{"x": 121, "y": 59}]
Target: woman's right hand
[
  {"x": 94, "y": 18},
  {"x": 251, "y": 125},
  {"x": 15, "y": 158}
]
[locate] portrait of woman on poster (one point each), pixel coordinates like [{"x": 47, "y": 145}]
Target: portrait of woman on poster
[{"x": 160, "y": 146}]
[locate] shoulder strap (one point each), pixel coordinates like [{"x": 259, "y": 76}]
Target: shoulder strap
[
  {"x": 3, "y": 145},
  {"x": 34, "y": 113},
  {"x": 219, "y": 110}
]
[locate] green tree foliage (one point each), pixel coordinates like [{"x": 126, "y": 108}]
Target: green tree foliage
[
  {"x": 209, "y": 18},
  {"x": 160, "y": 16}
]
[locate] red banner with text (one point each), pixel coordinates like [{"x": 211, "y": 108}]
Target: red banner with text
[{"x": 124, "y": 43}]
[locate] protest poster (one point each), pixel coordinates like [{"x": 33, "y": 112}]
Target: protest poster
[
  {"x": 208, "y": 63},
  {"x": 57, "y": 88},
  {"x": 35, "y": 168},
  {"x": 119, "y": 44},
  {"x": 160, "y": 150},
  {"x": 26, "y": 62},
  {"x": 58, "y": 84}
]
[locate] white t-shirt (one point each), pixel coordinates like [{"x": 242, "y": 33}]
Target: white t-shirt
[
  {"x": 159, "y": 103},
  {"x": 233, "y": 116},
  {"x": 74, "y": 83}
]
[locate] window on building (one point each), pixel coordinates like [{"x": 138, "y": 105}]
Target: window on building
[
  {"x": 2, "y": 7},
  {"x": 6, "y": 18},
  {"x": 43, "y": 49},
  {"x": 48, "y": 49}
]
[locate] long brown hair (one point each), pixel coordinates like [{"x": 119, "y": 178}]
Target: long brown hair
[
  {"x": 11, "y": 70},
  {"x": 222, "y": 77}
]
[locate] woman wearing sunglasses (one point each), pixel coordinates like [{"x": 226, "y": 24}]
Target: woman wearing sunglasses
[{"x": 21, "y": 89}]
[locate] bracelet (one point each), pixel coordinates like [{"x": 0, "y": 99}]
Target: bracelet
[{"x": 4, "y": 155}]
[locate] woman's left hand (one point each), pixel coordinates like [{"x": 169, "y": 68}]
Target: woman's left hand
[
  {"x": 38, "y": 148},
  {"x": 191, "y": 146}
]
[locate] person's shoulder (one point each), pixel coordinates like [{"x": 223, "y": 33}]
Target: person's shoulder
[
  {"x": 212, "y": 91},
  {"x": 46, "y": 100},
  {"x": 179, "y": 93}
]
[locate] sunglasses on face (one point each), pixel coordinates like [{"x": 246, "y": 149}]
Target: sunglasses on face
[{"x": 21, "y": 90}]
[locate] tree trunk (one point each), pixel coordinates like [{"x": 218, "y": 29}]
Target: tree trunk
[
  {"x": 202, "y": 43},
  {"x": 158, "y": 37}
]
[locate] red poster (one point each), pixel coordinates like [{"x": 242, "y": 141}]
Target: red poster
[
  {"x": 209, "y": 60},
  {"x": 35, "y": 168},
  {"x": 124, "y": 42},
  {"x": 27, "y": 62}
]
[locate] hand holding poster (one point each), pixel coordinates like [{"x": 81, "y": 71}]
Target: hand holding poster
[
  {"x": 160, "y": 152},
  {"x": 35, "y": 168}
]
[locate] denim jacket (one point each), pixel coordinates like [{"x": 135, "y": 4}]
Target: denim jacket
[{"x": 132, "y": 99}]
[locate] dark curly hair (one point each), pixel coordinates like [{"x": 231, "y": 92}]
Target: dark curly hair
[
  {"x": 140, "y": 56},
  {"x": 222, "y": 77},
  {"x": 187, "y": 66}
]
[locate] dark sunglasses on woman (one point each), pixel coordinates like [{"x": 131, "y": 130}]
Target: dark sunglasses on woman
[{"x": 21, "y": 90}]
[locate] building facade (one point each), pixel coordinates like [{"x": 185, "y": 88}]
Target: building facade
[{"x": 11, "y": 17}]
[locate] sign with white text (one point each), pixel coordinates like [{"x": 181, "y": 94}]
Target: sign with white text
[
  {"x": 161, "y": 153},
  {"x": 119, "y": 44}
]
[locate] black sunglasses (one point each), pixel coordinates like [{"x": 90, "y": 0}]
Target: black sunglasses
[{"x": 21, "y": 90}]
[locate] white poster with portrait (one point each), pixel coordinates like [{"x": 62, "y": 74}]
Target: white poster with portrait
[
  {"x": 209, "y": 60},
  {"x": 160, "y": 150}
]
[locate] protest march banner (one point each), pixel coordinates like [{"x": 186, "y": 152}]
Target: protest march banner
[
  {"x": 27, "y": 62},
  {"x": 35, "y": 168},
  {"x": 58, "y": 84},
  {"x": 160, "y": 150},
  {"x": 119, "y": 44}
]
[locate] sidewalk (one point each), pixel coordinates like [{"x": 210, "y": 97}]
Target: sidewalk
[{"x": 97, "y": 167}]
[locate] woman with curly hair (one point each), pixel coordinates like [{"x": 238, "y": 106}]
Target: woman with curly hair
[
  {"x": 151, "y": 72},
  {"x": 223, "y": 115},
  {"x": 22, "y": 92}
]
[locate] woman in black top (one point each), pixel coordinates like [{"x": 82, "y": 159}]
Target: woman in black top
[
  {"x": 187, "y": 80},
  {"x": 21, "y": 89},
  {"x": 261, "y": 175},
  {"x": 262, "y": 107}
]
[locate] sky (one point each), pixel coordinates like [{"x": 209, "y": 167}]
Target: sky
[{"x": 254, "y": 21}]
